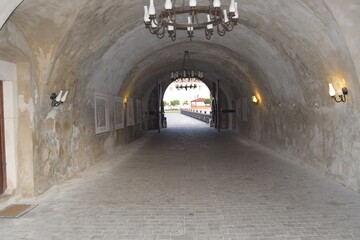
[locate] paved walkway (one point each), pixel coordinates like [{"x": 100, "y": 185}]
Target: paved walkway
[
  {"x": 187, "y": 184},
  {"x": 177, "y": 120}
]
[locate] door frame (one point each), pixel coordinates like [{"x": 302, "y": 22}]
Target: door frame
[{"x": 3, "y": 178}]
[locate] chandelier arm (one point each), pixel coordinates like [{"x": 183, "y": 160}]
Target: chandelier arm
[
  {"x": 161, "y": 34},
  {"x": 172, "y": 17},
  {"x": 173, "y": 35},
  {"x": 222, "y": 31},
  {"x": 338, "y": 101},
  {"x": 229, "y": 26},
  {"x": 154, "y": 30},
  {"x": 160, "y": 20},
  {"x": 191, "y": 62},
  {"x": 207, "y": 34},
  {"x": 184, "y": 60}
]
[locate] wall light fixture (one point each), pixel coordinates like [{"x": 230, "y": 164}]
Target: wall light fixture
[
  {"x": 58, "y": 99},
  {"x": 341, "y": 94},
  {"x": 255, "y": 99}
]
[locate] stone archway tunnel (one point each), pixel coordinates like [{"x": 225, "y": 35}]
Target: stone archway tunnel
[{"x": 284, "y": 52}]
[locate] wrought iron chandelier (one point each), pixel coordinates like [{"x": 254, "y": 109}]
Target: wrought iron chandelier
[
  {"x": 188, "y": 71},
  {"x": 169, "y": 20},
  {"x": 186, "y": 86}
]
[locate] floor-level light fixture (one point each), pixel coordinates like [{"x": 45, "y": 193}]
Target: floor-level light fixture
[
  {"x": 58, "y": 99},
  {"x": 340, "y": 96}
]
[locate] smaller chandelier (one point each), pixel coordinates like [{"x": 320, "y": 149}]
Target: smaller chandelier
[
  {"x": 169, "y": 20},
  {"x": 187, "y": 72},
  {"x": 186, "y": 86}
]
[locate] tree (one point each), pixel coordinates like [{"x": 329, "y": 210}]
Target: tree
[
  {"x": 185, "y": 102},
  {"x": 207, "y": 101},
  {"x": 166, "y": 103},
  {"x": 175, "y": 103}
]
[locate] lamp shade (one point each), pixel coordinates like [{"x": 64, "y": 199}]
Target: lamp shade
[
  {"x": 192, "y": 3},
  {"x": 236, "y": 11},
  {"x": 216, "y": 3},
  {"x": 332, "y": 92},
  {"x": 146, "y": 14},
  {"x": 63, "y": 99},
  {"x": 58, "y": 97},
  {"x": 168, "y": 4},
  {"x": 171, "y": 27},
  {"x": 152, "y": 8},
  {"x": 190, "y": 22},
  {"x": 232, "y": 6},
  {"x": 226, "y": 18},
  {"x": 209, "y": 26}
]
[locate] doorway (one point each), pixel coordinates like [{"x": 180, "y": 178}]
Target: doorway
[
  {"x": 2, "y": 143},
  {"x": 187, "y": 103}
]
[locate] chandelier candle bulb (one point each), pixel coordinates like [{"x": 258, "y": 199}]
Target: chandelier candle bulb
[
  {"x": 226, "y": 19},
  {"x": 146, "y": 15},
  {"x": 168, "y": 5},
  {"x": 216, "y": 3},
  {"x": 171, "y": 28},
  {"x": 152, "y": 8},
  {"x": 63, "y": 99},
  {"x": 189, "y": 22},
  {"x": 236, "y": 11},
  {"x": 192, "y": 3},
  {"x": 232, "y": 6},
  {"x": 209, "y": 26},
  {"x": 58, "y": 97}
]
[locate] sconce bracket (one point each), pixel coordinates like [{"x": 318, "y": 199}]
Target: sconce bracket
[
  {"x": 345, "y": 91},
  {"x": 55, "y": 103}
]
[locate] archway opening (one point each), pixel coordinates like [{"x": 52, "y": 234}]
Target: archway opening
[{"x": 187, "y": 103}]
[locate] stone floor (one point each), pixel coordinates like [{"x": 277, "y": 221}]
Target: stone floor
[{"x": 191, "y": 183}]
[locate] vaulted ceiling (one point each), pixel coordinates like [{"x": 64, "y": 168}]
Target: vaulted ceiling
[{"x": 294, "y": 47}]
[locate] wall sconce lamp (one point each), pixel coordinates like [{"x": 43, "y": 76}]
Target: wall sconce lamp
[
  {"x": 58, "y": 99},
  {"x": 125, "y": 102},
  {"x": 341, "y": 95},
  {"x": 255, "y": 100}
]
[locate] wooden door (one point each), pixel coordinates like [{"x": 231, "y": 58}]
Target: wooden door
[
  {"x": 159, "y": 109},
  {"x": 2, "y": 144},
  {"x": 215, "y": 105}
]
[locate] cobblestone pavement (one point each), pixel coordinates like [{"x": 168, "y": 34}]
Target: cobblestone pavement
[{"x": 188, "y": 184}]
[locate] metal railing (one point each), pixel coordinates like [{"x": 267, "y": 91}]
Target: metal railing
[{"x": 197, "y": 114}]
